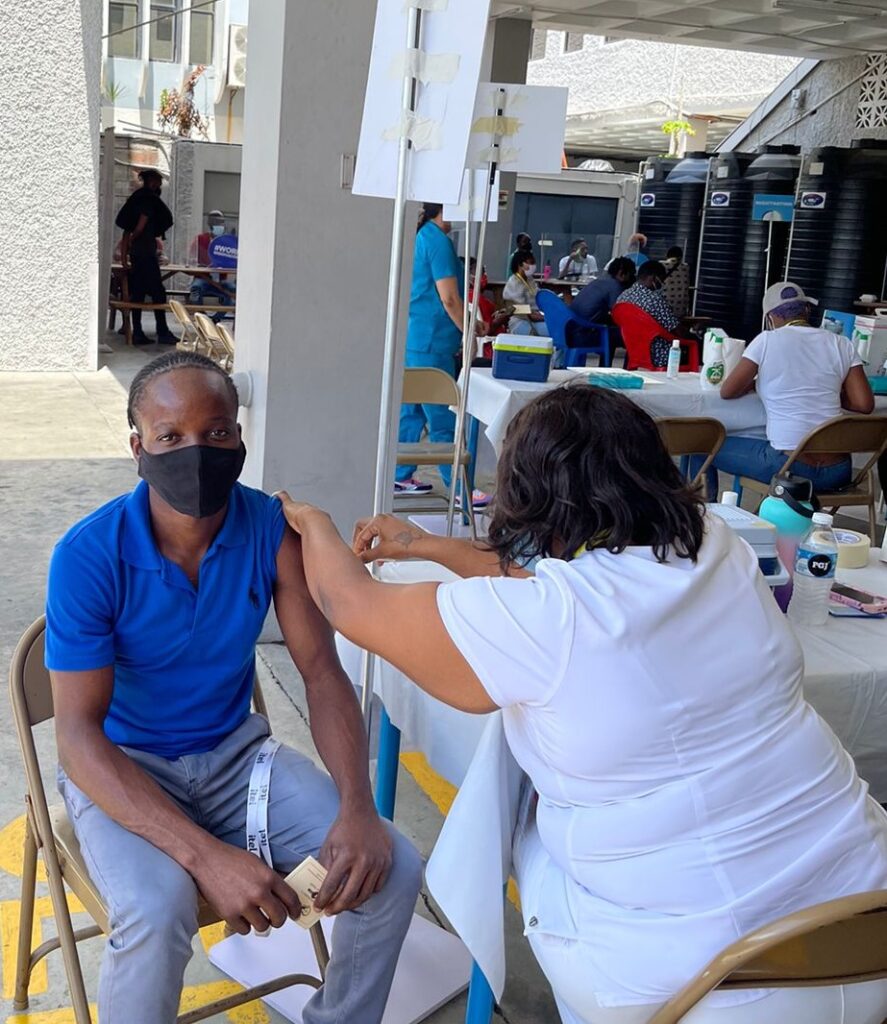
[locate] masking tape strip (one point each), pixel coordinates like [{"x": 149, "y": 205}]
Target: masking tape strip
[
  {"x": 423, "y": 132},
  {"x": 501, "y": 125},
  {"x": 427, "y": 5},
  {"x": 427, "y": 67},
  {"x": 853, "y": 549},
  {"x": 500, "y": 155}
]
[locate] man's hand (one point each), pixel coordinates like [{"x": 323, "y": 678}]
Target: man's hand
[
  {"x": 357, "y": 855},
  {"x": 537, "y": 318},
  {"x": 297, "y": 511},
  {"x": 244, "y": 891},
  {"x": 382, "y": 537}
]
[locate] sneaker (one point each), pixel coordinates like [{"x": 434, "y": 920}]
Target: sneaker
[
  {"x": 411, "y": 486},
  {"x": 479, "y": 499}
]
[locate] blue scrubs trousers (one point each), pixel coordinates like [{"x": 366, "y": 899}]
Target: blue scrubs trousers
[{"x": 441, "y": 422}]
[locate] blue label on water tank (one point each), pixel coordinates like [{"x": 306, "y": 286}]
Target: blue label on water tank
[
  {"x": 720, "y": 199},
  {"x": 648, "y": 199}
]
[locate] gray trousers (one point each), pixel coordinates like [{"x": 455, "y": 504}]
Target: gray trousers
[{"x": 152, "y": 900}]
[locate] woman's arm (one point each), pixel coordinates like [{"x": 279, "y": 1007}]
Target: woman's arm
[
  {"x": 387, "y": 538},
  {"x": 448, "y": 291},
  {"x": 400, "y": 623},
  {"x": 741, "y": 380},
  {"x": 856, "y": 394}
]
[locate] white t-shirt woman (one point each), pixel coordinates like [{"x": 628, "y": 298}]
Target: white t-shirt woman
[{"x": 651, "y": 689}]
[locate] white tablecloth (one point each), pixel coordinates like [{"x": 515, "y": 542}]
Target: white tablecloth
[
  {"x": 845, "y": 680},
  {"x": 496, "y": 402}
]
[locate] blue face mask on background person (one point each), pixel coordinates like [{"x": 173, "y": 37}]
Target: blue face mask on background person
[
  {"x": 217, "y": 229},
  {"x": 197, "y": 480}
]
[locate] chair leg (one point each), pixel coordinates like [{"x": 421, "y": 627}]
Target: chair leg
[
  {"x": 873, "y": 519},
  {"x": 67, "y": 940},
  {"x": 26, "y": 919},
  {"x": 467, "y": 504}
]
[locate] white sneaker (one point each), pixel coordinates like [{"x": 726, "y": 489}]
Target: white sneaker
[{"x": 411, "y": 486}]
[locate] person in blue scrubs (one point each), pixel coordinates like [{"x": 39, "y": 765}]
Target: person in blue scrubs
[
  {"x": 154, "y": 605},
  {"x": 434, "y": 335}
]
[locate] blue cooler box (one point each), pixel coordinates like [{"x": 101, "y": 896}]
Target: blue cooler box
[{"x": 522, "y": 357}]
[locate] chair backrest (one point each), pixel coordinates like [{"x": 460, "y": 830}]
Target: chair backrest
[
  {"x": 693, "y": 435},
  {"x": 209, "y": 332},
  {"x": 557, "y": 315},
  {"x": 638, "y": 331},
  {"x": 227, "y": 339},
  {"x": 429, "y": 386},
  {"x": 839, "y": 942},
  {"x": 853, "y": 433},
  {"x": 181, "y": 314}
]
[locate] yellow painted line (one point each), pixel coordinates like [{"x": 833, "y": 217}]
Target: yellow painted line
[
  {"x": 10, "y": 911},
  {"x": 65, "y": 1016},
  {"x": 12, "y": 845},
  {"x": 442, "y": 794},
  {"x": 199, "y": 995}
]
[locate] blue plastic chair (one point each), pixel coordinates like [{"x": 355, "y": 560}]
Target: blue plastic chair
[{"x": 557, "y": 315}]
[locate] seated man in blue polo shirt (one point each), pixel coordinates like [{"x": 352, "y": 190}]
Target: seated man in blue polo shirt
[{"x": 154, "y": 607}]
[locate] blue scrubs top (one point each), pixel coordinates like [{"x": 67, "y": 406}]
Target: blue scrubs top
[
  {"x": 430, "y": 327},
  {"x": 184, "y": 659}
]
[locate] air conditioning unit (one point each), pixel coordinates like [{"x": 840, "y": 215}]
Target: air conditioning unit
[
  {"x": 237, "y": 56},
  {"x": 835, "y": 8}
]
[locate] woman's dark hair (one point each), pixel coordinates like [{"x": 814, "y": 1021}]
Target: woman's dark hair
[
  {"x": 523, "y": 241},
  {"x": 520, "y": 256},
  {"x": 428, "y": 212},
  {"x": 166, "y": 363},
  {"x": 622, "y": 265},
  {"x": 584, "y": 465},
  {"x": 675, "y": 253}
]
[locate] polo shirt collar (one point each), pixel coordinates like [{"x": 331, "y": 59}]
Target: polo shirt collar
[{"x": 138, "y": 546}]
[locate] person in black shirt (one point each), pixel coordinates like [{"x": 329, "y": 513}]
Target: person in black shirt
[{"x": 144, "y": 218}]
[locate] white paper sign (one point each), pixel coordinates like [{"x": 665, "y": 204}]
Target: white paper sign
[
  {"x": 444, "y": 104},
  {"x": 480, "y": 183},
  {"x": 538, "y": 116}
]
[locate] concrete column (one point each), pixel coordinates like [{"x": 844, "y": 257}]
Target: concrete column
[
  {"x": 50, "y": 62},
  {"x": 508, "y": 54},
  {"x": 313, "y": 259}
]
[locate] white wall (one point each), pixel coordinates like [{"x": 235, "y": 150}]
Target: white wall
[{"x": 50, "y": 55}]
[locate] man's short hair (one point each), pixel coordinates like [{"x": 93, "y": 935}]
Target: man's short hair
[
  {"x": 150, "y": 174},
  {"x": 650, "y": 270},
  {"x": 621, "y": 265},
  {"x": 576, "y": 243},
  {"x": 166, "y": 363}
]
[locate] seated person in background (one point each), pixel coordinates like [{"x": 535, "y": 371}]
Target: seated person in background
[
  {"x": 687, "y": 793},
  {"x": 676, "y": 290},
  {"x": 154, "y": 606},
  {"x": 521, "y": 290},
  {"x": 578, "y": 263},
  {"x": 646, "y": 294},
  {"x": 804, "y": 376},
  {"x": 598, "y": 297},
  {"x": 495, "y": 319},
  {"x": 522, "y": 244},
  {"x": 635, "y": 244},
  {"x": 198, "y": 253}
]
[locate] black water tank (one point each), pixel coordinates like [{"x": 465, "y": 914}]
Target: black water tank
[
  {"x": 727, "y": 217},
  {"x": 658, "y": 209},
  {"x": 839, "y": 239},
  {"x": 671, "y": 203},
  {"x": 773, "y": 172}
]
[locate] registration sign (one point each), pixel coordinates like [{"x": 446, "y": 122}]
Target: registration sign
[{"x": 773, "y": 207}]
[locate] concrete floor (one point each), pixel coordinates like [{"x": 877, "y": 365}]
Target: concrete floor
[{"x": 64, "y": 452}]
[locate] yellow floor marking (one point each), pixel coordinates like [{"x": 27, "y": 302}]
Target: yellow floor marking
[
  {"x": 199, "y": 995},
  {"x": 212, "y": 934},
  {"x": 65, "y": 1016},
  {"x": 12, "y": 845},
  {"x": 9, "y": 924},
  {"x": 442, "y": 794}
]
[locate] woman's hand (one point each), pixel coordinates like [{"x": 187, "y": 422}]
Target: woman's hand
[
  {"x": 297, "y": 512},
  {"x": 385, "y": 537}
]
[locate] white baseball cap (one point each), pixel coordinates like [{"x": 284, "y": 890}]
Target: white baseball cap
[
  {"x": 215, "y": 213},
  {"x": 784, "y": 293}
]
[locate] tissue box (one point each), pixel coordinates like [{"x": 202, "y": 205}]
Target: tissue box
[{"x": 522, "y": 357}]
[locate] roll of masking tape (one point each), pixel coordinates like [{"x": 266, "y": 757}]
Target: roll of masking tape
[{"x": 853, "y": 549}]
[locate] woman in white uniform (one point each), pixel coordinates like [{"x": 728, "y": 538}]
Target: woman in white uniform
[{"x": 651, "y": 689}]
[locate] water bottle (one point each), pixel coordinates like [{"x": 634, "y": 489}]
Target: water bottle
[
  {"x": 815, "y": 566},
  {"x": 674, "y": 360}
]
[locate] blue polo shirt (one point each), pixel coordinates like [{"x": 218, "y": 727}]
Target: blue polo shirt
[
  {"x": 430, "y": 327},
  {"x": 184, "y": 659}
]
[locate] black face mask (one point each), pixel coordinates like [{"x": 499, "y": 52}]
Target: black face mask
[{"x": 196, "y": 480}]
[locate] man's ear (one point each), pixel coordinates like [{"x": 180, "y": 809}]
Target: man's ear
[{"x": 135, "y": 445}]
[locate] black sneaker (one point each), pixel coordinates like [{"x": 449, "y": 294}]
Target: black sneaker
[{"x": 167, "y": 339}]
